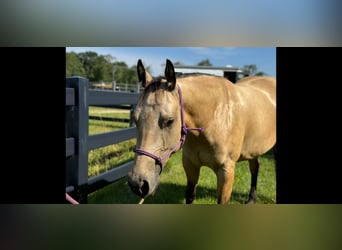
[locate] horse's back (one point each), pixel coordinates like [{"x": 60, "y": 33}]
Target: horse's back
[
  {"x": 259, "y": 95},
  {"x": 262, "y": 83}
]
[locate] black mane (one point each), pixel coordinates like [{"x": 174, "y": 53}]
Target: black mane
[{"x": 158, "y": 81}]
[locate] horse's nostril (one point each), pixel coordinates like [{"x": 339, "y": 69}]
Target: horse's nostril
[
  {"x": 144, "y": 188},
  {"x": 139, "y": 187}
]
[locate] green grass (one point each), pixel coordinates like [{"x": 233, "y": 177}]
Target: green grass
[
  {"x": 103, "y": 159},
  {"x": 172, "y": 180},
  {"x": 100, "y": 126}
]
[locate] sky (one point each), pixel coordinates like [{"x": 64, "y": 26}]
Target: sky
[{"x": 154, "y": 57}]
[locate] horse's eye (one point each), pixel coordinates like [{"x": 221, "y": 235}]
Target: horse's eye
[{"x": 169, "y": 122}]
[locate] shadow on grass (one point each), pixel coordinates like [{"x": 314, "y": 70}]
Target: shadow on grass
[
  {"x": 167, "y": 193},
  {"x": 270, "y": 154},
  {"x": 175, "y": 194}
]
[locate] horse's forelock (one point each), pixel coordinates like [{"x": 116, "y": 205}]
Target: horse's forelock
[{"x": 154, "y": 85}]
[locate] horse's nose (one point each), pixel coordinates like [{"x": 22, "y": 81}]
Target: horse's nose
[{"x": 138, "y": 185}]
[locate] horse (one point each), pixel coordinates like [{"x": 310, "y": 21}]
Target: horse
[{"x": 215, "y": 122}]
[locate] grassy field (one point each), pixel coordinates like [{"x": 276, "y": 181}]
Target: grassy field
[
  {"x": 172, "y": 180},
  {"x": 105, "y": 158}
]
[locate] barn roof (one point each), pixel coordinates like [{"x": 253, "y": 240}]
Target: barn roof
[{"x": 207, "y": 69}]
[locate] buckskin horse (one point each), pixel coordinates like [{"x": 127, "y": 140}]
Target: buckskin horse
[{"x": 216, "y": 122}]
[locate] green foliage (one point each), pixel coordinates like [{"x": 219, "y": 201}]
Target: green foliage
[
  {"x": 178, "y": 63},
  {"x": 260, "y": 73},
  {"x": 74, "y": 67},
  {"x": 205, "y": 62},
  {"x": 124, "y": 74},
  {"x": 253, "y": 70},
  {"x": 88, "y": 59},
  {"x": 99, "y": 68}
]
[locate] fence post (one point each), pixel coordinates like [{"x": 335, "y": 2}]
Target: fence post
[{"x": 77, "y": 127}]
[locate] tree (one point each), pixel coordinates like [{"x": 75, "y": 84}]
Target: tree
[
  {"x": 97, "y": 67},
  {"x": 205, "y": 62},
  {"x": 252, "y": 70},
  {"x": 87, "y": 59},
  {"x": 74, "y": 66},
  {"x": 178, "y": 63},
  {"x": 124, "y": 74},
  {"x": 109, "y": 58},
  {"x": 132, "y": 75},
  {"x": 101, "y": 70},
  {"x": 119, "y": 69},
  {"x": 260, "y": 73}
]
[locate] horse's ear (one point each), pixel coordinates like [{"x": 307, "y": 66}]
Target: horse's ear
[
  {"x": 170, "y": 74},
  {"x": 143, "y": 76}
]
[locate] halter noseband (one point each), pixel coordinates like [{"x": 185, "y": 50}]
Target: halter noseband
[{"x": 184, "y": 130}]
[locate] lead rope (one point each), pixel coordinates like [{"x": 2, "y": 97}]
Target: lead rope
[{"x": 70, "y": 199}]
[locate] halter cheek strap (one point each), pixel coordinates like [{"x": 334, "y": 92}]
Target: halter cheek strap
[{"x": 184, "y": 130}]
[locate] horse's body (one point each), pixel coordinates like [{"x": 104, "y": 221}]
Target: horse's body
[{"x": 239, "y": 122}]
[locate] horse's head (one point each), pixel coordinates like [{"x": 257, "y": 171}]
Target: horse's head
[{"x": 158, "y": 121}]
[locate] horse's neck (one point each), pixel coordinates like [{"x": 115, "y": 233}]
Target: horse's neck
[{"x": 200, "y": 100}]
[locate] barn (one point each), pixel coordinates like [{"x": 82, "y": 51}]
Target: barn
[{"x": 231, "y": 73}]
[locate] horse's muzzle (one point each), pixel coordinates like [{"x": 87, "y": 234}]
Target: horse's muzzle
[{"x": 138, "y": 185}]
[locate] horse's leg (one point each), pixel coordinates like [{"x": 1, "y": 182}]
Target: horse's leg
[
  {"x": 192, "y": 174},
  {"x": 254, "y": 169},
  {"x": 225, "y": 180}
]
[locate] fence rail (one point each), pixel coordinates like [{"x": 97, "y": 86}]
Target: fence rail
[
  {"x": 110, "y": 119},
  {"x": 79, "y": 142},
  {"x": 108, "y": 138}
]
